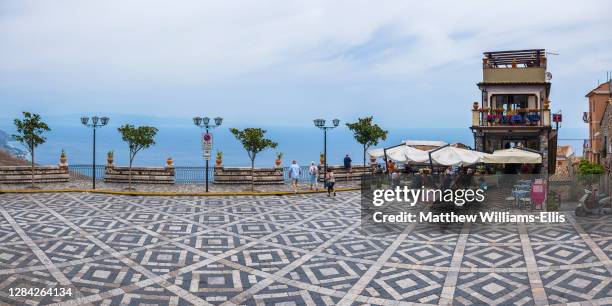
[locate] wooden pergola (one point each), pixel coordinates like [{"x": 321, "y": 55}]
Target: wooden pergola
[{"x": 528, "y": 58}]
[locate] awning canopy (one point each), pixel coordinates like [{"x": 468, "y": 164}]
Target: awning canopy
[
  {"x": 401, "y": 154},
  {"x": 446, "y": 156},
  {"x": 452, "y": 156},
  {"x": 512, "y": 156},
  {"x": 433, "y": 143}
]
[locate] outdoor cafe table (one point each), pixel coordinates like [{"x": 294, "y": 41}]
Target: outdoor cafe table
[{"x": 520, "y": 193}]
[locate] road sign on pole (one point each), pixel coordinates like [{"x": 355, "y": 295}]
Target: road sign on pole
[{"x": 207, "y": 145}]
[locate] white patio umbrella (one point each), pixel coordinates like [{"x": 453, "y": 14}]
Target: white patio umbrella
[
  {"x": 378, "y": 153},
  {"x": 512, "y": 156},
  {"x": 401, "y": 154},
  {"x": 451, "y": 156}
]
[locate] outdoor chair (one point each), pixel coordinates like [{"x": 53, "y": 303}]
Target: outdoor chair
[
  {"x": 526, "y": 203},
  {"x": 510, "y": 202}
]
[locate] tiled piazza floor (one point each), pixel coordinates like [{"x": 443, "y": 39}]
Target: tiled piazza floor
[{"x": 290, "y": 250}]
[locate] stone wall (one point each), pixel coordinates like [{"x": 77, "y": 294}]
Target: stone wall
[
  {"x": 342, "y": 174},
  {"x": 606, "y": 129},
  {"x": 242, "y": 175},
  {"x": 140, "y": 175},
  {"x": 42, "y": 174}
]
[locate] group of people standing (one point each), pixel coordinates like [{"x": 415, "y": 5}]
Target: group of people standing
[{"x": 295, "y": 172}]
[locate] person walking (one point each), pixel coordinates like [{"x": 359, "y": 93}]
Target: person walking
[
  {"x": 330, "y": 181},
  {"x": 347, "y": 166},
  {"x": 294, "y": 175},
  {"x": 313, "y": 170}
]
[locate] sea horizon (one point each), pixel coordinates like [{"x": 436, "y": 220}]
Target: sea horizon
[{"x": 182, "y": 143}]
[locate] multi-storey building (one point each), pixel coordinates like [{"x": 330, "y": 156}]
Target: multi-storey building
[
  {"x": 598, "y": 99},
  {"x": 514, "y": 109}
]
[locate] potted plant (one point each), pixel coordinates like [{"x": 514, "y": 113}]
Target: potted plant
[
  {"x": 279, "y": 159},
  {"x": 169, "y": 162},
  {"x": 475, "y": 105},
  {"x": 110, "y": 157},
  {"x": 219, "y": 160}
]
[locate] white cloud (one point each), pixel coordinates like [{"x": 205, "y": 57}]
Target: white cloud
[{"x": 334, "y": 55}]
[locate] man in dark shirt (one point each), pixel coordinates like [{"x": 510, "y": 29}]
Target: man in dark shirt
[{"x": 347, "y": 166}]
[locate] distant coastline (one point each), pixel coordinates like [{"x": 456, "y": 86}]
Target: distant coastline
[{"x": 10, "y": 146}]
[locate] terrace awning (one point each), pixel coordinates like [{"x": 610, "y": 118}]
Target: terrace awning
[
  {"x": 402, "y": 154},
  {"x": 452, "y": 156},
  {"x": 512, "y": 156}
]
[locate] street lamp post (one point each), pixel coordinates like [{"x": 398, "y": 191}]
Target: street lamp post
[
  {"x": 96, "y": 122},
  {"x": 204, "y": 123},
  {"x": 320, "y": 123}
]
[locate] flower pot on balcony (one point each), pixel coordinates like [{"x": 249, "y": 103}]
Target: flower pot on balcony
[
  {"x": 475, "y": 105},
  {"x": 169, "y": 162},
  {"x": 278, "y": 162}
]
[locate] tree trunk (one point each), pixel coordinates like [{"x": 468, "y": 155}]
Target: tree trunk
[
  {"x": 130, "y": 175},
  {"x": 364, "y": 155},
  {"x": 32, "y": 166},
  {"x": 252, "y": 175}
]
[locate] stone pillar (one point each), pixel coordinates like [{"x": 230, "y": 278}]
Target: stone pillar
[
  {"x": 544, "y": 150},
  {"x": 479, "y": 141}
]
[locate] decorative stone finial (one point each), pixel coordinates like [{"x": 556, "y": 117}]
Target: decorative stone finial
[{"x": 63, "y": 159}]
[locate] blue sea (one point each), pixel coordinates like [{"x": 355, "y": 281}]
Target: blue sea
[{"x": 182, "y": 143}]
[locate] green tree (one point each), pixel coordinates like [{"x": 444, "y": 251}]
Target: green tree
[
  {"x": 367, "y": 133},
  {"x": 30, "y": 131},
  {"x": 254, "y": 141},
  {"x": 589, "y": 173},
  {"x": 137, "y": 138}
]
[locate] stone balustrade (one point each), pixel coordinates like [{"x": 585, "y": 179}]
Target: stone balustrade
[
  {"x": 140, "y": 175},
  {"x": 42, "y": 174},
  {"x": 342, "y": 174},
  {"x": 242, "y": 175}
]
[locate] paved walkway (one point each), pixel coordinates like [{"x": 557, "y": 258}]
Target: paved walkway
[
  {"x": 85, "y": 184},
  {"x": 302, "y": 250}
]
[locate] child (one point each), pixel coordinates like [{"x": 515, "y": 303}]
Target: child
[{"x": 330, "y": 180}]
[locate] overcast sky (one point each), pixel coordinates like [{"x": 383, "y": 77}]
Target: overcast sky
[{"x": 411, "y": 64}]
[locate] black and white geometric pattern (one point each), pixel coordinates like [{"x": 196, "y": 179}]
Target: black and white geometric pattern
[{"x": 290, "y": 250}]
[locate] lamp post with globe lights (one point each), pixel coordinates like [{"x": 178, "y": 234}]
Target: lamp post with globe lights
[
  {"x": 205, "y": 124},
  {"x": 320, "y": 123},
  {"x": 96, "y": 122}
]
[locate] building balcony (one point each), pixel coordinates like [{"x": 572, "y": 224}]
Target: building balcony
[{"x": 516, "y": 118}]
